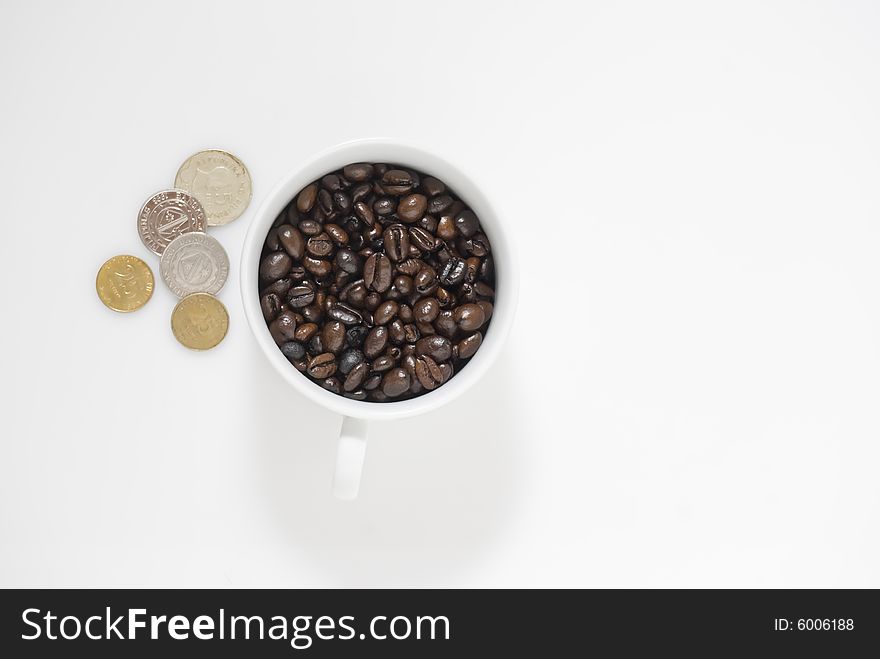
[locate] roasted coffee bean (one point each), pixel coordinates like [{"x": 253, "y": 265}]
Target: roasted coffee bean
[
  {"x": 439, "y": 204},
  {"x": 426, "y": 310},
  {"x": 305, "y": 332},
  {"x": 446, "y": 228},
  {"x": 305, "y": 200},
  {"x": 385, "y": 312},
  {"x": 382, "y": 363},
  {"x": 467, "y": 223},
  {"x": 356, "y": 376},
  {"x": 397, "y": 182},
  {"x": 355, "y": 336},
  {"x": 349, "y": 359},
  {"x": 421, "y": 239},
  {"x": 291, "y": 240},
  {"x": 275, "y": 265},
  {"x": 319, "y": 245},
  {"x": 395, "y": 382},
  {"x": 396, "y": 242},
  {"x": 426, "y": 280},
  {"x": 445, "y": 324},
  {"x": 412, "y": 208},
  {"x": 427, "y": 372},
  {"x": 332, "y": 182},
  {"x": 438, "y": 348},
  {"x": 336, "y": 233},
  {"x": 293, "y": 350},
  {"x": 376, "y": 341},
  {"x": 411, "y": 333},
  {"x": 310, "y": 227},
  {"x": 468, "y": 345},
  {"x": 384, "y": 206},
  {"x": 396, "y": 333},
  {"x": 283, "y": 327},
  {"x": 300, "y": 296},
  {"x": 453, "y": 272},
  {"x": 318, "y": 267},
  {"x": 270, "y": 304},
  {"x": 432, "y": 186},
  {"x": 378, "y": 268},
  {"x": 360, "y": 171},
  {"x": 377, "y": 273},
  {"x": 333, "y": 336},
  {"x": 322, "y": 366},
  {"x": 342, "y": 203},
  {"x": 345, "y": 314}
]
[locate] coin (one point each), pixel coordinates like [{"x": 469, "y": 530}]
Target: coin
[
  {"x": 166, "y": 215},
  {"x": 220, "y": 181},
  {"x": 194, "y": 263},
  {"x": 199, "y": 321},
  {"x": 124, "y": 283}
]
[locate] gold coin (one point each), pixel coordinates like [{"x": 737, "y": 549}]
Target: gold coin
[
  {"x": 199, "y": 321},
  {"x": 220, "y": 181},
  {"x": 124, "y": 283}
]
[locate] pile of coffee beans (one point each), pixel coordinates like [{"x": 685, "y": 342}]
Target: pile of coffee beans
[{"x": 377, "y": 282}]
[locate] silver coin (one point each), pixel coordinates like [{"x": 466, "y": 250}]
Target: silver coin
[
  {"x": 168, "y": 214},
  {"x": 194, "y": 263},
  {"x": 220, "y": 181}
]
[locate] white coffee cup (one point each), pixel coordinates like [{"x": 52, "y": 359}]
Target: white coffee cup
[{"x": 357, "y": 414}]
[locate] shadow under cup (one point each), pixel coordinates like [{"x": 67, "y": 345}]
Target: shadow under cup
[{"x": 357, "y": 413}]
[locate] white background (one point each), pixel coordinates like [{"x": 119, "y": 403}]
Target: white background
[{"x": 689, "y": 397}]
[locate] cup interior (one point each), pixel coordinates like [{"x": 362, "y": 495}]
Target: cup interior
[{"x": 380, "y": 150}]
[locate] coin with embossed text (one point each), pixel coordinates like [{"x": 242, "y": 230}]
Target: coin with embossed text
[
  {"x": 194, "y": 263},
  {"x": 124, "y": 283},
  {"x": 199, "y": 321},
  {"x": 168, "y": 214},
  {"x": 220, "y": 181}
]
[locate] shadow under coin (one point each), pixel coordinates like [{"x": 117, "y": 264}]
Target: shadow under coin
[{"x": 438, "y": 491}]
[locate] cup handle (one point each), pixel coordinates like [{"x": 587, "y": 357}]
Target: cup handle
[{"x": 350, "y": 457}]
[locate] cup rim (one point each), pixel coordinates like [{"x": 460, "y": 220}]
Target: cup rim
[{"x": 382, "y": 150}]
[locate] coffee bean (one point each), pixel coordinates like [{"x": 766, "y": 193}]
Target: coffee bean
[
  {"x": 385, "y": 312},
  {"x": 439, "y": 204},
  {"x": 355, "y": 336},
  {"x": 358, "y": 172},
  {"x": 427, "y": 372},
  {"x": 319, "y": 245},
  {"x": 300, "y": 296},
  {"x": 382, "y": 363},
  {"x": 384, "y": 206},
  {"x": 446, "y": 370},
  {"x": 347, "y": 261},
  {"x": 283, "y": 327},
  {"x": 421, "y": 239},
  {"x": 332, "y": 384},
  {"x": 332, "y": 182},
  {"x": 412, "y": 208},
  {"x": 396, "y": 242},
  {"x": 376, "y": 341},
  {"x": 279, "y": 287},
  {"x": 357, "y": 394},
  {"x": 432, "y": 186},
  {"x": 486, "y": 307},
  {"x": 372, "y": 301},
  {"x": 467, "y": 347},
  {"x": 349, "y": 359},
  {"x": 377, "y": 273},
  {"x": 397, "y": 182},
  {"x": 293, "y": 350},
  {"x": 438, "y": 348},
  {"x": 325, "y": 202},
  {"x": 322, "y": 366},
  {"x": 272, "y": 243},
  {"x": 395, "y": 382},
  {"x": 405, "y": 313},
  {"x": 336, "y": 233},
  {"x": 467, "y": 223},
  {"x": 270, "y": 304},
  {"x": 275, "y": 265},
  {"x": 477, "y": 246},
  {"x": 342, "y": 203},
  {"x": 305, "y": 200},
  {"x": 372, "y": 381},
  {"x": 333, "y": 336},
  {"x": 305, "y": 332},
  {"x": 453, "y": 272},
  {"x": 291, "y": 240},
  {"x": 360, "y": 192},
  {"x": 445, "y": 298},
  {"x": 318, "y": 267},
  {"x": 356, "y": 376},
  {"x": 411, "y": 267},
  {"x": 313, "y": 313},
  {"x": 310, "y": 227},
  {"x": 445, "y": 324},
  {"x": 396, "y": 333},
  {"x": 426, "y": 310},
  {"x": 426, "y": 280},
  {"x": 345, "y": 314}
]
